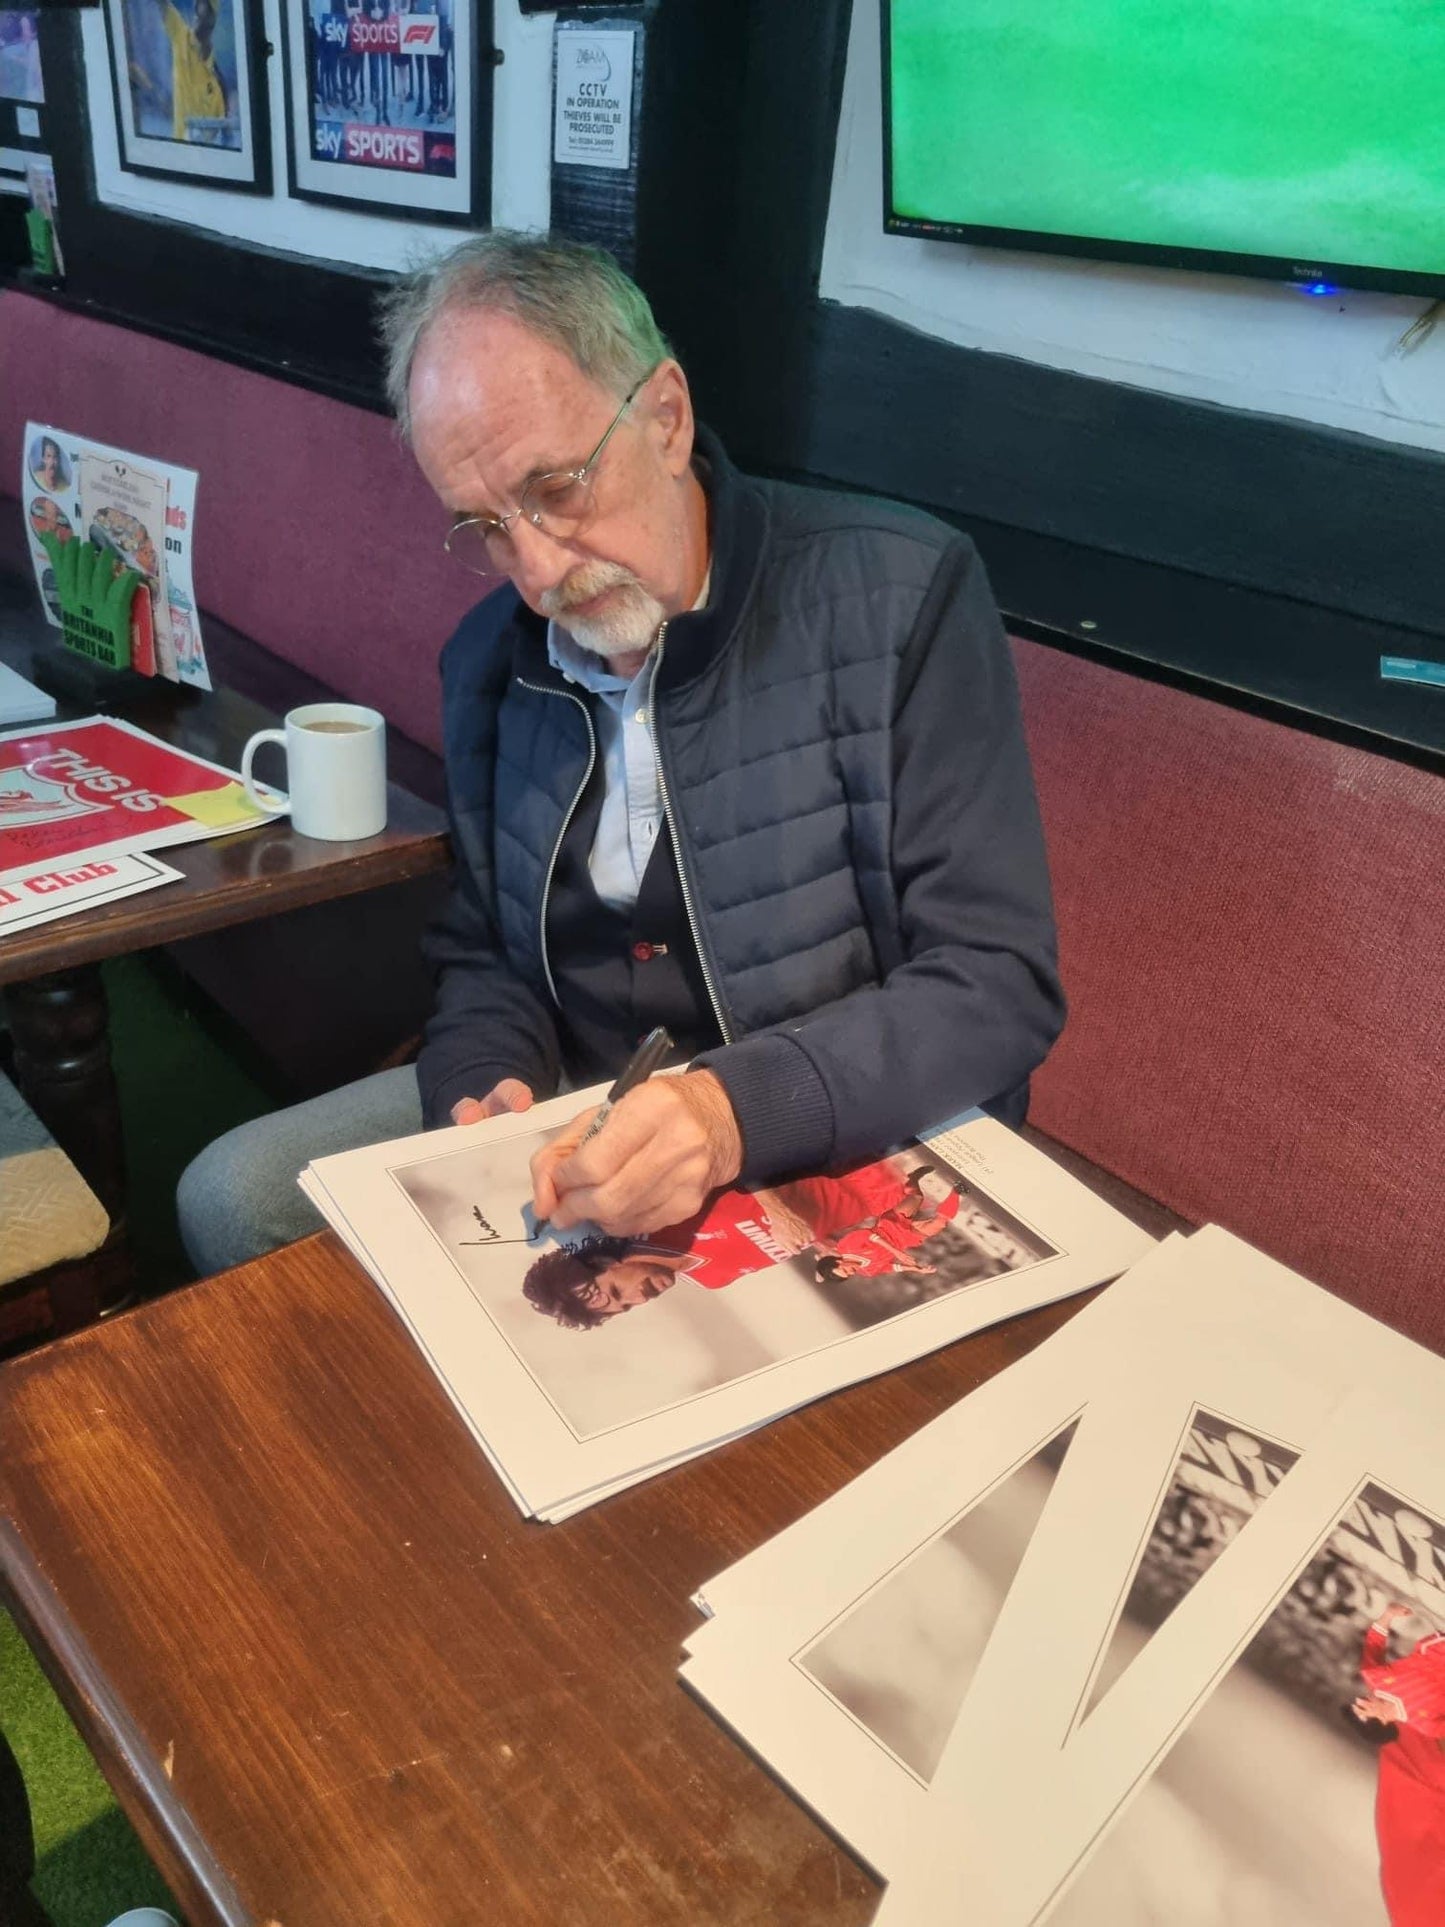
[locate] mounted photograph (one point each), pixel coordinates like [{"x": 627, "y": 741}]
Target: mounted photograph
[
  {"x": 616, "y": 1329},
  {"x": 389, "y": 105},
  {"x": 190, "y": 90}
]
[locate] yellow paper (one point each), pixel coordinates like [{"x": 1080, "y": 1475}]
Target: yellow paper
[{"x": 219, "y": 809}]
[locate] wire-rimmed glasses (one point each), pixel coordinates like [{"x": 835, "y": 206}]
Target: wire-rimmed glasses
[{"x": 556, "y": 503}]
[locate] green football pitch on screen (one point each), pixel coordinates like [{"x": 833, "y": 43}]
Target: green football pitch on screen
[{"x": 1307, "y": 129}]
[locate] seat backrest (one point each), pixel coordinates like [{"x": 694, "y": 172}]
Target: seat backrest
[
  {"x": 1252, "y": 938},
  {"x": 315, "y": 533}
]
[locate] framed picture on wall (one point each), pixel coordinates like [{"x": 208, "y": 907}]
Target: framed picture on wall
[
  {"x": 190, "y": 90},
  {"x": 20, "y": 78},
  {"x": 389, "y": 105}
]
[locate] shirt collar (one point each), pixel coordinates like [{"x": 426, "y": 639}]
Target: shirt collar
[{"x": 591, "y": 672}]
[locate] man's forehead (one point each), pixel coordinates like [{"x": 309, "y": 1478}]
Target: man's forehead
[{"x": 487, "y": 361}]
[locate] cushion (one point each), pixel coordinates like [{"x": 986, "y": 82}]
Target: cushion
[{"x": 47, "y": 1210}]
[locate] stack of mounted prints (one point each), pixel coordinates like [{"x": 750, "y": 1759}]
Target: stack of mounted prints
[
  {"x": 1146, "y": 1630},
  {"x": 582, "y": 1367}
]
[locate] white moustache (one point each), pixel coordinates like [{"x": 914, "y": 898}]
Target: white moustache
[{"x": 579, "y": 589}]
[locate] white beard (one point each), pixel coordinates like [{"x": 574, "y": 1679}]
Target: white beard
[{"x": 629, "y": 623}]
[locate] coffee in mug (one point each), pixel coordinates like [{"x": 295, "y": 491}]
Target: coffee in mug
[{"x": 336, "y": 766}]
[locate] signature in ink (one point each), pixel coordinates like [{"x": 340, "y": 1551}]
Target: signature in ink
[{"x": 489, "y": 1235}]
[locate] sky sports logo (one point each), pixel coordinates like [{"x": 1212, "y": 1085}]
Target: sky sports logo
[
  {"x": 404, "y": 150},
  {"x": 413, "y": 33}
]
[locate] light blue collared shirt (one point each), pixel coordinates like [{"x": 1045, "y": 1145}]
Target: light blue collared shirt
[
  {"x": 632, "y": 798},
  {"x": 627, "y": 749}
]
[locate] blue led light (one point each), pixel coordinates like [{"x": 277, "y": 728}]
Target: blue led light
[{"x": 1321, "y": 287}]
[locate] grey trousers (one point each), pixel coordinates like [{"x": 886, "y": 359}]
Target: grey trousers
[{"x": 239, "y": 1198}]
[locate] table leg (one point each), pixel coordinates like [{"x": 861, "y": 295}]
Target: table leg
[
  {"x": 18, "y": 1908},
  {"x": 60, "y": 1028}
]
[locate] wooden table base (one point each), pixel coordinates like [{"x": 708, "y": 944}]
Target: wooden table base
[
  {"x": 59, "y": 1026},
  {"x": 18, "y": 1907}
]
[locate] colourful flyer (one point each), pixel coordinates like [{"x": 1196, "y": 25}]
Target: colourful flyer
[
  {"x": 100, "y": 787},
  {"x": 140, "y": 511}
]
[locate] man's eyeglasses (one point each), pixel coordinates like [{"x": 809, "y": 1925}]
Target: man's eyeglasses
[{"x": 556, "y": 503}]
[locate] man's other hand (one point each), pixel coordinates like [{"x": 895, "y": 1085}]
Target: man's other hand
[
  {"x": 663, "y": 1151},
  {"x": 510, "y": 1095}
]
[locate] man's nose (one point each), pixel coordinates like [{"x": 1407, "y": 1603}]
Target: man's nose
[{"x": 542, "y": 561}]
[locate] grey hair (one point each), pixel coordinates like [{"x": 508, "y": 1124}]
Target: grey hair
[{"x": 575, "y": 297}]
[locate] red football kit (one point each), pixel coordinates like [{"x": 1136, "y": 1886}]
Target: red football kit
[
  {"x": 734, "y": 1236},
  {"x": 1410, "y": 1805}
]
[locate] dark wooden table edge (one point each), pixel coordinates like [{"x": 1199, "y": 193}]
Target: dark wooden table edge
[
  {"x": 116, "y": 934},
  {"x": 138, "y": 1781}
]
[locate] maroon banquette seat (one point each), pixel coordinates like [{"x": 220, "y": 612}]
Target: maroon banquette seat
[
  {"x": 1252, "y": 936},
  {"x": 1251, "y": 918}
]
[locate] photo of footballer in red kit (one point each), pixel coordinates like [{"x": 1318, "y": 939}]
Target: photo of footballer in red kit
[
  {"x": 1310, "y": 1786},
  {"x": 614, "y": 1329}
]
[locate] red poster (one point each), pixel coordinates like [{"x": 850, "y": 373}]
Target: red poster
[{"x": 99, "y": 786}]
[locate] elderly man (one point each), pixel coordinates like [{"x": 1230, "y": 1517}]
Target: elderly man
[{"x": 729, "y": 755}]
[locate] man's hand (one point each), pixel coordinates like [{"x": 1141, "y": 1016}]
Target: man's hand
[
  {"x": 510, "y": 1095},
  {"x": 663, "y": 1150}
]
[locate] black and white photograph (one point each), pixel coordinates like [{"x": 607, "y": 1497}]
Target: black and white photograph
[
  {"x": 614, "y": 1330},
  {"x": 1311, "y": 1785},
  {"x": 1222, "y": 1477},
  {"x": 189, "y": 78},
  {"x": 899, "y": 1661},
  {"x": 389, "y": 105}
]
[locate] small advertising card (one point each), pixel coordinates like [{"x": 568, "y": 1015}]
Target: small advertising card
[{"x": 139, "y": 511}]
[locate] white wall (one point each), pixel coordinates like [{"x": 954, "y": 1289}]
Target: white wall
[
  {"x": 1248, "y": 344},
  {"x": 521, "y": 150}
]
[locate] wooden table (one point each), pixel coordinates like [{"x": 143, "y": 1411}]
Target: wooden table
[
  {"x": 50, "y": 975},
  {"x": 335, "y": 1678}
]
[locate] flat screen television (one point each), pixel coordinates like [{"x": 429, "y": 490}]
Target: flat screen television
[{"x": 1298, "y": 139}]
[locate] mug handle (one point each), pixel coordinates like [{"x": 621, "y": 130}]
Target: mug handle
[{"x": 273, "y": 805}]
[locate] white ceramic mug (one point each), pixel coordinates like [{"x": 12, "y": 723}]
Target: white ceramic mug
[{"x": 336, "y": 766}]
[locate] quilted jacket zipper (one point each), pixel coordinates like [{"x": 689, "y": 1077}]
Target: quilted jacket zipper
[
  {"x": 687, "y": 900},
  {"x": 540, "y": 689}
]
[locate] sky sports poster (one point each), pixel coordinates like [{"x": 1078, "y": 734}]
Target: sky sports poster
[{"x": 382, "y": 105}]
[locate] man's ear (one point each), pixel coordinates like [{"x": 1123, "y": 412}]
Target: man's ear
[{"x": 672, "y": 416}]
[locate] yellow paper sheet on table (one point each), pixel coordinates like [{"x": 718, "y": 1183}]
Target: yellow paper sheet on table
[{"x": 220, "y": 809}]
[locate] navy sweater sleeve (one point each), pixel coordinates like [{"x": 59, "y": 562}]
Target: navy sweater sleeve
[
  {"x": 487, "y": 1022},
  {"x": 976, "y": 1004}
]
